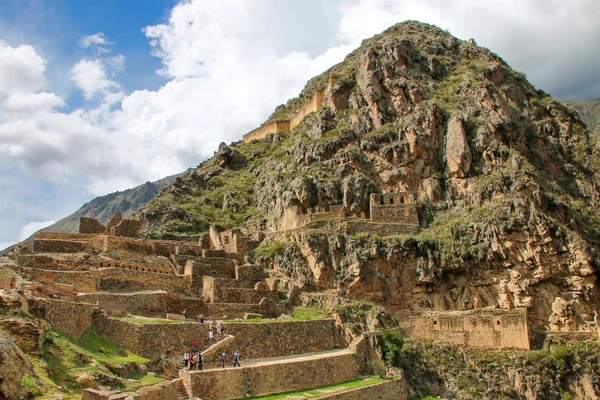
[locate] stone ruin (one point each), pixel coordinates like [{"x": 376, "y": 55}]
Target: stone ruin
[
  {"x": 389, "y": 214},
  {"x": 337, "y": 100},
  {"x": 117, "y": 226}
]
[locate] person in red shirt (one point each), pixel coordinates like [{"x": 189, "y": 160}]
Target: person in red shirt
[{"x": 195, "y": 345}]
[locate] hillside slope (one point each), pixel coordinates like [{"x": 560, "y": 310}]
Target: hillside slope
[
  {"x": 589, "y": 111},
  {"x": 504, "y": 177}
]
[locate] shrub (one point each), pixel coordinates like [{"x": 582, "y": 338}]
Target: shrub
[{"x": 392, "y": 347}]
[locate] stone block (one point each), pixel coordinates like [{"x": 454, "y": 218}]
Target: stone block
[
  {"x": 178, "y": 317},
  {"x": 95, "y": 394},
  {"x": 252, "y": 315}
]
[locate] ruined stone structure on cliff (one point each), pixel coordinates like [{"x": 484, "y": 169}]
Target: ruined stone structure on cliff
[
  {"x": 313, "y": 104},
  {"x": 390, "y": 214}
]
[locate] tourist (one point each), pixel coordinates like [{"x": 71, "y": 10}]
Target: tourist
[
  {"x": 186, "y": 358},
  {"x": 213, "y": 327},
  {"x": 195, "y": 345},
  {"x": 185, "y": 313},
  {"x": 223, "y": 358},
  {"x": 199, "y": 361},
  {"x": 201, "y": 318},
  {"x": 210, "y": 337},
  {"x": 236, "y": 359},
  {"x": 192, "y": 361},
  {"x": 222, "y": 328}
]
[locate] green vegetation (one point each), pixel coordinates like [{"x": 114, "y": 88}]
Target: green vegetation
[
  {"x": 68, "y": 363},
  {"x": 298, "y": 315},
  {"x": 476, "y": 374},
  {"x": 151, "y": 320},
  {"x": 392, "y": 346},
  {"x": 308, "y": 314},
  {"x": 325, "y": 390}
]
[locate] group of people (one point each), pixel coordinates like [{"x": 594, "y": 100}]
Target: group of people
[{"x": 194, "y": 359}]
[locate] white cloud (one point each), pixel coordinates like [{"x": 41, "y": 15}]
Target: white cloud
[
  {"x": 90, "y": 77},
  {"x": 97, "y": 41},
  {"x": 21, "y": 69},
  {"x": 117, "y": 62},
  {"x": 33, "y": 227}
]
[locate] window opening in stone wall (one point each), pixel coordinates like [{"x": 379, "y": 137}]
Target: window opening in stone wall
[
  {"x": 381, "y": 200},
  {"x": 402, "y": 200},
  {"x": 497, "y": 322},
  {"x": 435, "y": 322},
  {"x": 391, "y": 199}
]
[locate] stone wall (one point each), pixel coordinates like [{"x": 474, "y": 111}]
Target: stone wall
[
  {"x": 499, "y": 330},
  {"x": 127, "y": 228},
  {"x": 90, "y": 225},
  {"x": 154, "y": 268},
  {"x": 152, "y": 339},
  {"x": 275, "y": 339},
  {"x": 82, "y": 281},
  {"x": 266, "y": 129},
  {"x": 312, "y": 105},
  {"x": 379, "y": 228},
  {"x": 295, "y": 217},
  {"x": 248, "y": 274},
  {"x": 60, "y": 246},
  {"x": 112, "y": 279},
  {"x": 39, "y": 261},
  {"x": 124, "y": 280},
  {"x": 197, "y": 270},
  {"x": 392, "y": 390},
  {"x": 238, "y": 383},
  {"x": 68, "y": 317},
  {"x": 68, "y": 236},
  {"x": 393, "y": 208},
  {"x": 139, "y": 246}
]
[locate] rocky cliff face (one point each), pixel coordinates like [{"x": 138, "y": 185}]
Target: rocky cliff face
[{"x": 504, "y": 177}]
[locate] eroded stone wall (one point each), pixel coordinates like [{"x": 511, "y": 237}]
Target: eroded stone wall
[
  {"x": 127, "y": 228},
  {"x": 393, "y": 208},
  {"x": 237, "y": 383},
  {"x": 274, "y": 339},
  {"x": 499, "y": 330},
  {"x": 90, "y": 225},
  {"x": 266, "y": 129},
  {"x": 68, "y": 317}
]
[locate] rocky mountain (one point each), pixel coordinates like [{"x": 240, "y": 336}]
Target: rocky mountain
[
  {"x": 104, "y": 207},
  {"x": 589, "y": 111},
  {"x": 504, "y": 177}
]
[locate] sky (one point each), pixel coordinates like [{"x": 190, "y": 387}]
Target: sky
[{"x": 103, "y": 95}]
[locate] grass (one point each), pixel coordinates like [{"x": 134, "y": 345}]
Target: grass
[
  {"x": 103, "y": 349},
  {"x": 135, "y": 320},
  {"x": 308, "y": 314},
  {"x": 325, "y": 390},
  {"x": 66, "y": 358},
  {"x": 298, "y": 315}
]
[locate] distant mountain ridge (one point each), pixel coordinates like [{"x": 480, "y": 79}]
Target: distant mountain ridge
[
  {"x": 104, "y": 207},
  {"x": 589, "y": 111}
]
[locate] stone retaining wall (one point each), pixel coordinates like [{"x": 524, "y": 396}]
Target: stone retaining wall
[
  {"x": 112, "y": 279},
  {"x": 275, "y": 339},
  {"x": 67, "y": 317},
  {"x": 235, "y": 383},
  {"x": 393, "y": 390},
  {"x": 152, "y": 339}
]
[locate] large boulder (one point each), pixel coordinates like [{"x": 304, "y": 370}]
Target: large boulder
[
  {"x": 13, "y": 367},
  {"x": 458, "y": 155}
]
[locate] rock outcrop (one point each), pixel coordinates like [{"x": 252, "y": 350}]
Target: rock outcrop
[{"x": 13, "y": 367}]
